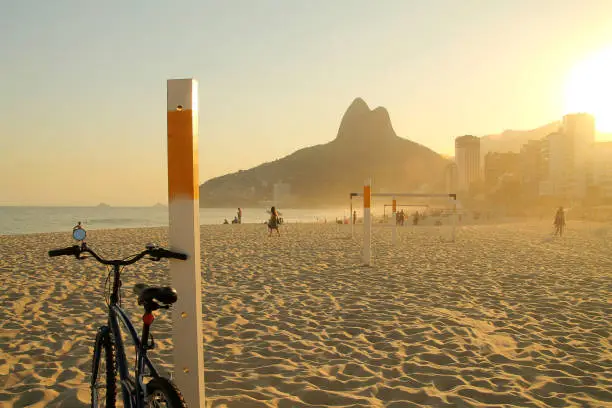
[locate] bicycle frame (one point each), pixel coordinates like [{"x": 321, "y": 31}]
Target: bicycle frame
[{"x": 133, "y": 389}]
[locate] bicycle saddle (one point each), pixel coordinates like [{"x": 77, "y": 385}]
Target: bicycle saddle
[{"x": 165, "y": 295}]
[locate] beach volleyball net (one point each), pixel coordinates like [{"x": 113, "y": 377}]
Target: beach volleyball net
[{"x": 407, "y": 216}]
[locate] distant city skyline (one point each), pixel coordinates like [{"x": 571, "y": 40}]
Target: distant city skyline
[
  {"x": 534, "y": 170},
  {"x": 82, "y": 117}
]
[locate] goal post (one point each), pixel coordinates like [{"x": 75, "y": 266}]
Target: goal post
[{"x": 450, "y": 199}]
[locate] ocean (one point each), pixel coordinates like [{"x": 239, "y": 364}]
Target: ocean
[{"x": 29, "y": 220}]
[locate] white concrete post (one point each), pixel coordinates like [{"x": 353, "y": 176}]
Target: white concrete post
[
  {"x": 454, "y": 197},
  {"x": 352, "y": 222},
  {"x": 184, "y": 234},
  {"x": 394, "y": 216},
  {"x": 367, "y": 224}
]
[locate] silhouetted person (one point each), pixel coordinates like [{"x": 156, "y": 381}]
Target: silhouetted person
[
  {"x": 415, "y": 218},
  {"x": 273, "y": 222},
  {"x": 559, "y": 221}
]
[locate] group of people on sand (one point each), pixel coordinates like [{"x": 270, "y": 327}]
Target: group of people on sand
[
  {"x": 237, "y": 218},
  {"x": 401, "y": 216},
  {"x": 273, "y": 222}
]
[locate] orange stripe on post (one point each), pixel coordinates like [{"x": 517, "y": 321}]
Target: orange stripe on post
[
  {"x": 366, "y": 196},
  {"x": 182, "y": 156}
]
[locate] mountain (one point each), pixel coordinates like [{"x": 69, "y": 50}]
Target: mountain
[
  {"x": 366, "y": 146},
  {"x": 513, "y": 140}
]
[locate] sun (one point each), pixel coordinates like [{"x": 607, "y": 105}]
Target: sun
[{"x": 589, "y": 89}]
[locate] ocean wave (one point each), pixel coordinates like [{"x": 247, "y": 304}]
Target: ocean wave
[{"x": 114, "y": 221}]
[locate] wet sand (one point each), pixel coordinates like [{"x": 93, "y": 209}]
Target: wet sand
[{"x": 505, "y": 316}]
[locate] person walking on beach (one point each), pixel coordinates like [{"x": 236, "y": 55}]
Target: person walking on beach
[
  {"x": 559, "y": 222},
  {"x": 273, "y": 222},
  {"x": 239, "y": 216}
]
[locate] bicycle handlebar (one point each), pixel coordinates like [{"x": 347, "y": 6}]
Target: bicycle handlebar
[
  {"x": 65, "y": 251},
  {"x": 157, "y": 253}
]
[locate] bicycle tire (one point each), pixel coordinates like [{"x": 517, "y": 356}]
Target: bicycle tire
[
  {"x": 163, "y": 390},
  {"x": 103, "y": 352}
]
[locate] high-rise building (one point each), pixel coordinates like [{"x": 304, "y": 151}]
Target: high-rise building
[
  {"x": 602, "y": 169},
  {"x": 532, "y": 169},
  {"x": 451, "y": 178},
  {"x": 498, "y": 166},
  {"x": 467, "y": 157},
  {"x": 579, "y": 128},
  {"x": 567, "y": 156},
  {"x": 557, "y": 162}
]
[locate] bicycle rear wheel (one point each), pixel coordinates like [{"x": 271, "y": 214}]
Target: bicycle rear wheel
[
  {"x": 162, "y": 392},
  {"x": 103, "y": 372}
]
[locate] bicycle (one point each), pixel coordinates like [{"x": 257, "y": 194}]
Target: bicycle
[{"x": 109, "y": 350}]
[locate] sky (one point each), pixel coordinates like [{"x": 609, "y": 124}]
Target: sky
[{"x": 83, "y": 84}]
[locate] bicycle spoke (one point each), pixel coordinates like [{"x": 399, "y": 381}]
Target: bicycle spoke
[{"x": 103, "y": 387}]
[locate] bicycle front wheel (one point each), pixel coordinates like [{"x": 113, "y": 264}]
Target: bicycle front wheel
[
  {"x": 162, "y": 392},
  {"x": 103, "y": 373}
]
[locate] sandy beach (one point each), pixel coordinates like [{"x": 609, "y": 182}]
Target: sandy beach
[{"x": 504, "y": 316}]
